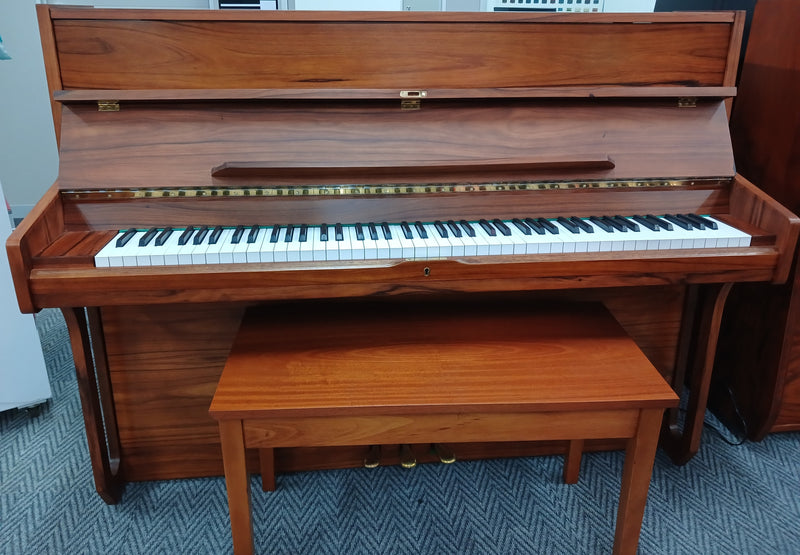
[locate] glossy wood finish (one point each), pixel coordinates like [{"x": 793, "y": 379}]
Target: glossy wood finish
[
  {"x": 439, "y": 373},
  {"x": 644, "y": 139},
  {"x": 167, "y": 331},
  {"x": 86, "y": 339},
  {"x": 436, "y": 52},
  {"x": 170, "y": 358},
  {"x": 757, "y": 383}
]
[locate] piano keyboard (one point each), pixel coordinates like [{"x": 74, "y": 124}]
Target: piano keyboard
[{"x": 414, "y": 240}]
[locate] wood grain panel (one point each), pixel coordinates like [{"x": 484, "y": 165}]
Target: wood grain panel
[
  {"x": 654, "y": 139},
  {"x": 165, "y": 363},
  {"x": 150, "y": 54}
]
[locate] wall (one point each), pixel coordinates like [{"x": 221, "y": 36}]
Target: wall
[{"x": 28, "y": 157}]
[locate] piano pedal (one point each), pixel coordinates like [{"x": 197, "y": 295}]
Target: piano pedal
[
  {"x": 407, "y": 458},
  {"x": 445, "y": 454},
  {"x": 373, "y": 457}
]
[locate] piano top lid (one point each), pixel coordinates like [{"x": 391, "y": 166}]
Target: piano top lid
[
  {"x": 141, "y": 50},
  {"x": 307, "y": 87}
]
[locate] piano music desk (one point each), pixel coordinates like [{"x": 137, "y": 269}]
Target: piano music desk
[{"x": 391, "y": 373}]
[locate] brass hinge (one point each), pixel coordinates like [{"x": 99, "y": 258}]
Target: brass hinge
[
  {"x": 687, "y": 102},
  {"x": 412, "y": 100},
  {"x": 108, "y": 105}
]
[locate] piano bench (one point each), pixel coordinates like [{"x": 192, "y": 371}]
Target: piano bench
[{"x": 388, "y": 373}]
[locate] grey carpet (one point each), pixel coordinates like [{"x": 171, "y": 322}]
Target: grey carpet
[{"x": 729, "y": 499}]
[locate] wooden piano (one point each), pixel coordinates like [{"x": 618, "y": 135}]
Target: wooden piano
[{"x": 270, "y": 128}]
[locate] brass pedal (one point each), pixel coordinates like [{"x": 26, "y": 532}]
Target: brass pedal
[
  {"x": 407, "y": 458},
  {"x": 445, "y": 454},
  {"x": 373, "y": 457}
]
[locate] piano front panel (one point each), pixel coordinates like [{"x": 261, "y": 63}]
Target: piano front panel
[
  {"x": 653, "y": 138},
  {"x": 165, "y": 361}
]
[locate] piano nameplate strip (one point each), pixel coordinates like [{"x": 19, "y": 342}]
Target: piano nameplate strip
[{"x": 365, "y": 190}]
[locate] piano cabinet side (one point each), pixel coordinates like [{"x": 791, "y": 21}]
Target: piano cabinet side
[
  {"x": 38, "y": 230},
  {"x": 750, "y": 204}
]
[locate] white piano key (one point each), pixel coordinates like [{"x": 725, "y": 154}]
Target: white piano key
[
  {"x": 381, "y": 244},
  {"x": 213, "y": 251},
  {"x": 254, "y": 249},
  {"x": 103, "y": 258},
  {"x": 344, "y": 246},
  {"x": 395, "y": 244},
  {"x": 421, "y": 245},
  {"x": 279, "y": 249},
  {"x": 358, "y": 249},
  {"x": 307, "y": 246},
  {"x": 438, "y": 246},
  {"x": 331, "y": 246},
  {"x": 406, "y": 245}
]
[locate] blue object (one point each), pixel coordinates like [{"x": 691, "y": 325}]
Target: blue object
[{"x": 3, "y": 54}]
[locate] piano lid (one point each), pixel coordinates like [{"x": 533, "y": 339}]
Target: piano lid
[{"x": 504, "y": 96}]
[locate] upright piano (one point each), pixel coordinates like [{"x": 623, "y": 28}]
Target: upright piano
[{"x": 210, "y": 162}]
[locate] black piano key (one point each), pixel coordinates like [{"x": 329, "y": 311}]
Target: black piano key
[
  {"x": 535, "y": 226},
  {"x": 701, "y": 221},
  {"x": 276, "y": 233},
  {"x": 147, "y": 237},
  {"x": 468, "y": 229},
  {"x": 359, "y": 232},
  {"x": 323, "y": 232},
  {"x": 287, "y": 238},
  {"x": 387, "y": 233},
  {"x": 699, "y": 224},
  {"x": 487, "y": 227},
  {"x": 521, "y": 226},
  {"x": 615, "y": 224},
  {"x": 338, "y": 232},
  {"x": 502, "y": 227},
  {"x": 582, "y": 224},
  {"x": 451, "y": 225},
  {"x": 547, "y": 225},
  {"x": 216, "y": 233},
  {"x": 661, "y": 223},
  {"x": 423, "y": 234},
  {"x": 163, "y": 236},
  {"x": 253, "y": 235},
  {"x": 127, "y": 236},
  {"x": 303, "y": 233},
  {"x": 646, "y": 223},
  {"x": 601, "y": 224},
  {"x": 237, "y": 234},
  {"x": 440, "y": 228},
  {"x": 572, "y": 227},
  {"x": 201, "y": 234},
  {"x": 406, "y": 230},
  {"x": 373, "y": 231},
  {"x": 186, "y": 235},
  {"x": 627, "y": 223},
  {"x": 683, "y": 224}
]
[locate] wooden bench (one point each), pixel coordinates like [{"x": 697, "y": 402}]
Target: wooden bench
[{"x": 438, "y": 373}]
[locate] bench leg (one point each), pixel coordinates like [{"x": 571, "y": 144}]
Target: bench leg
[
  {"x": 639, "y": 456},
  {"x": 572, "y": 461},
  {"x": 266, "y": 460},
  {"x": 237, "y": 484}
]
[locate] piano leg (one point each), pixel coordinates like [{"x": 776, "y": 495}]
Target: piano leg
[
  {"x": 697, "y": 348},
  {"x": 88, "y": 348}
]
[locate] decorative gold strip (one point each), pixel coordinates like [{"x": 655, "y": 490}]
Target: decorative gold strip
[{"x": 362, "y": 190}]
